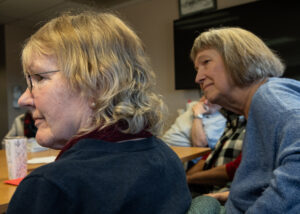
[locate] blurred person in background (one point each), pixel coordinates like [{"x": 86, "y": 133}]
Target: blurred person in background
[
  {"x": 23, "y": 125},
  {"x": 202, "y": 117}
]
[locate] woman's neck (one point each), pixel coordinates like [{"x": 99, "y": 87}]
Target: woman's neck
[
  {"x": 252, "y": 90},
  {"x": 240, "y": 99}
]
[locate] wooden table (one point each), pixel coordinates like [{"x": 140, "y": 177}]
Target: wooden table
[
  {"x": 190, "y": 153},
  {"x": 6, "y": 191}
]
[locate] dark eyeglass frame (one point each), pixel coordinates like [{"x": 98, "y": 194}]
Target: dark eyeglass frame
[{"x": 29, "y": 78}]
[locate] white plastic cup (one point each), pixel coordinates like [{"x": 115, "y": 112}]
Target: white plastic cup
[{"x": 16, "y": 156}]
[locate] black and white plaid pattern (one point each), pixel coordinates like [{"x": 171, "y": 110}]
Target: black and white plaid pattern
[{"x": 230, "y": 144}]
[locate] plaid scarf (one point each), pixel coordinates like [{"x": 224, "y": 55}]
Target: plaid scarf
[{"x": 230, "y": 144}]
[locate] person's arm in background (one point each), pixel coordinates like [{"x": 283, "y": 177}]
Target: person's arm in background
[
  {"x": 16, "y": 129},
  {"x": 219, "y": 175},
  {"x": 196, "y": 168},
  {"x": 198, "y": 134},
  {"x": 179, "y": 134},
  {"x": 215, "y": 176},
  {"x": 220, "y": 196},
  {"x": 11, "y": 133}
]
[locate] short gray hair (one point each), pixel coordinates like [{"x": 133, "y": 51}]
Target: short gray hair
[{"x": 246, "y": 57}]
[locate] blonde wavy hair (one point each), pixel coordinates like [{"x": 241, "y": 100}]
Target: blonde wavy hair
[
  {"x": 246, "y": 57},
  {"x": 102, "y": 57}
]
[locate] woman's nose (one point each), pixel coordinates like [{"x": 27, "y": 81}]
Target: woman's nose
[
  {"x": 199, "y": 77},
  {"x": 26, "y": 99}
]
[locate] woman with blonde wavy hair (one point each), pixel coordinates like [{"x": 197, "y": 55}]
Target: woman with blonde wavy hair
[{"x": 91, "y": 94}]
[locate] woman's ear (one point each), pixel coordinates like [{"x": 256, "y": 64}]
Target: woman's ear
[{"x": 92, "y": 103}]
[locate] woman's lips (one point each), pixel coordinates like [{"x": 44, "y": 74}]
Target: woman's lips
[
  {"x": 38, "y": 121},
  {"x": 206, "y": 86}
]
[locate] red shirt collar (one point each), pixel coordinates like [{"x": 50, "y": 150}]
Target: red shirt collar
[{"x": 110, "y": 134}]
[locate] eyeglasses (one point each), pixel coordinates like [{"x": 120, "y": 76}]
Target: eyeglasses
[{"x": 38, "y": 77}]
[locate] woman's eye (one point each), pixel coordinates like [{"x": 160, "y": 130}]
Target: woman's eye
[
  {"x": 38, "y": 77},
  {"x": 206, "y": 61}
]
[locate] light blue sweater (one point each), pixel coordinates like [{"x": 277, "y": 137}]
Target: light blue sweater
[{"x": 268, "y": 179}]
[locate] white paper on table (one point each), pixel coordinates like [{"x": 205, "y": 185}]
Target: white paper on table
[{"x": 48, "y": 159}]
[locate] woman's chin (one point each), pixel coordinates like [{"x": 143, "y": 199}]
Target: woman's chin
[
  {"x": 210, "y": 98},
  {"x": 43, "y": 143},
  {"x": 45, "y": 139},
  {"x": 213, "y": 98}
]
